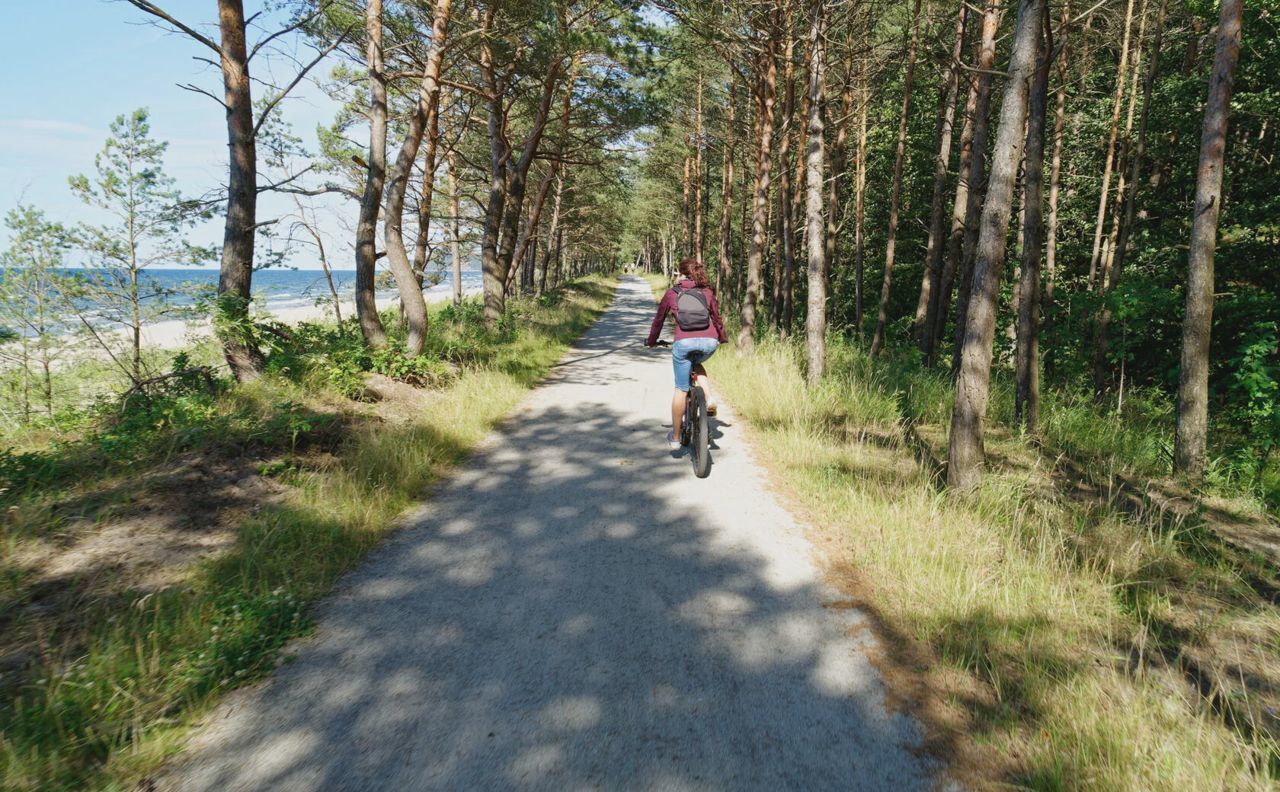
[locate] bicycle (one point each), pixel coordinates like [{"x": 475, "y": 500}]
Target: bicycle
[{"x": 695, "y": 432}]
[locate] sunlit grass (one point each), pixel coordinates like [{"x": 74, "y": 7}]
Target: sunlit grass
[{"x": 1042, "y": 617}]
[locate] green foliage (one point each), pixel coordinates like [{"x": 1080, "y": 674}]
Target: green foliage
[
  {"x": 149, "y": 219},
  {"x": 33, "y": 293},
  {"x": 1255, "y": 382}
]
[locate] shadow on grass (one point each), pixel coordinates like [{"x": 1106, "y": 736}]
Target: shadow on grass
[{"x": 1202, "y": 608}]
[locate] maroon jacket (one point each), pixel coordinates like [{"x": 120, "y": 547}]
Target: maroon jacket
[{"x": 668, "y": 305}]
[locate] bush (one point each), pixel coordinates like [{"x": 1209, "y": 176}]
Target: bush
[{"x": 420, "y": 370}]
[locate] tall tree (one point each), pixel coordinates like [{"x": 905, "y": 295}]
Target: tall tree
[
  {"x": 724, "y": 269},
  {"x": 455, "y": 226},
  {"x": 932, "y": 275},
  {"x": 33, "y": 293},
  {"x": 860, "y": 194},
  {"x": 410, "y": 288},
  {"x": 1055, "y": 167},
  {"x": 977, "y": 182},
  {"x": 149, "y": 220},
  {"x": 816, "y": 315},
  {"x": 235, "y": 276},
  {"x": 510, "y": 159},
  {"x": 1191, "y": 438},
  {"x": 965, "y": 452},
  {"x": 784, "y": 231},
  {"x": 838, "y": 159},
  {"x": 895, "y": 192},
  {"x": 766, "y": 71},
  {"x": 697, "y": 174},
  {"x": 940, "y": 298},
  {"x": 375, "y": 174},
  {"x": 1128, "y": 214},
  {"x": 1026, "y": 403},
  {"x": 1108, "y": 163}
]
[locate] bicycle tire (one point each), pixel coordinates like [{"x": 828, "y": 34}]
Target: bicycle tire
[{"x": 701, "y": 445}]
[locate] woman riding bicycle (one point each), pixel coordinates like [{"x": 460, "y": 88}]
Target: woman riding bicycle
[{"x": 697, "y": 334}]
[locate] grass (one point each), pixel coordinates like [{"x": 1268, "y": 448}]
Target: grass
[
  {"x": 1050, "y": 637},
  {"x": 116, "y": 687}
]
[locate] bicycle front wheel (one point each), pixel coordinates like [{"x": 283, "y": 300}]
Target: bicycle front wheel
[{"x": 700, "y": 434}]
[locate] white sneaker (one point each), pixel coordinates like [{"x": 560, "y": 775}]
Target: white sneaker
[{"x": 672, "y": 442}]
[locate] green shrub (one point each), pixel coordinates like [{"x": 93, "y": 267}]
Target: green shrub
[{"x": 420, "y": 370}]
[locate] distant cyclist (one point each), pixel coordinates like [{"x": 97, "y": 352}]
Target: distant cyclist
[{"x": 699, "y": 332}]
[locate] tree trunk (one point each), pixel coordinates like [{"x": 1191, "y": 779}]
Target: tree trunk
[
  {"x": 1108, "y": 162},
  {"x": 860, "y": 201},
  {"x": 1192, "y": 55},
  {"x": 415, "y": 307},
  {"x": 977, "y": 173},
  {"x": 931, "y": 278},
  {"x": 965, "y": 452},
  {"x": 796, "y": 206},
  {"x": 1102, "y": 369},
  {"x": 686, "y": 204},
  {"x": 767, "y": 67},
  {"x": 554, "y": 232},
  {"x": 1026, "y": 404},
  {"x": 507, "y": 179},
  {"x": 517, "y": 181},
  {"x": 455, "y": 227},
  {"x": 940, "y": 298},
  {"x": 786, "y": 252},
  {"x": 1191, "y": 440},
  {"x": 835, "y": 188},
  {"x": 535, "y": 214},
  {"x": 697, "y": 177},
  {"x": 553, "y": 168},
  {"x": 235, "y": 277},
  {"x": 1055, "y": 170},
  {"x": 371, "y": 200},
  {"x": 427, "y": 197},
  {"x": 895, "y": 192},
  {"x": 559, "y": 250},
  {"x": 724, "y": 272},
  {"x": 816, "y": 315}
]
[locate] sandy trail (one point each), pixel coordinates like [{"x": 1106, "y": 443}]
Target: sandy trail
[{"x": 574, "y": 610}]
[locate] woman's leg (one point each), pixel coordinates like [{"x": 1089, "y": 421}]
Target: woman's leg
[
  {"x": 681, "y": 365},
  {"x": 708, "y": 348},
  {"x": 678, "y": 398}
]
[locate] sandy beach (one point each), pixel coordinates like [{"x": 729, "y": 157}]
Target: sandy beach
[{"x": 177, "y": 333}]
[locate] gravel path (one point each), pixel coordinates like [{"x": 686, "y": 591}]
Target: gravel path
[{"x": 574, "y": 610}]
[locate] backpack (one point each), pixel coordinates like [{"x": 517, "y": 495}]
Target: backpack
[{"x": 692, "y": 309}]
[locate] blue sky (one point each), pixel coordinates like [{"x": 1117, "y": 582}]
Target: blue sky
[{"x": 71, "y": 66}]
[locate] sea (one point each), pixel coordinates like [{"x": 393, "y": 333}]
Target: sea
[{"x": 278, "y": 288}]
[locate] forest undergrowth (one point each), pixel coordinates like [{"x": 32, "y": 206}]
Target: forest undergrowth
[{"x": 165, "y": 551}]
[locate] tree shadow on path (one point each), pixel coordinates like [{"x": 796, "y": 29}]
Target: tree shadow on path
[{"x": 565, "y": 613}]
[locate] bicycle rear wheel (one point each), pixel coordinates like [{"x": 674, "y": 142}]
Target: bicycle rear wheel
[{"x": 700, "y": 433}]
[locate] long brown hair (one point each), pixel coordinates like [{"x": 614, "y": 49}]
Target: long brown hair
[{"x": 696, "y": 271}]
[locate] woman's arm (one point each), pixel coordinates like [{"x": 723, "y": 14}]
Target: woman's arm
[{"x": 664, "y": 307}]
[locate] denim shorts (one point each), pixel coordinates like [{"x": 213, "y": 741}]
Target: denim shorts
[{"x": 687, "y": 352}]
